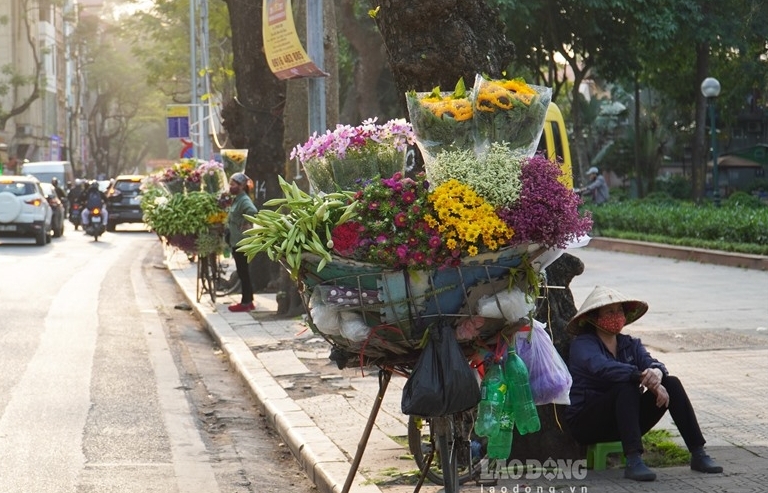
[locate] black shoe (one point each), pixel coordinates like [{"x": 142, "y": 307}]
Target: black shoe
[
  {"x": 704, "y": 463},
  {"x": 639, "y": 472}
]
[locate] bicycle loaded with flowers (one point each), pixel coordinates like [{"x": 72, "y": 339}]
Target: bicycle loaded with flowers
[
  {"x": 381, "y": 256},
  {"x": 186, "y": 206}
]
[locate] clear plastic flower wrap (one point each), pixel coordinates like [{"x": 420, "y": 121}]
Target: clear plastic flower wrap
[
  {"x": 509, "y": 111},
  {"x": 442, "y": 121},
  {"x": 347, "y": 157}
]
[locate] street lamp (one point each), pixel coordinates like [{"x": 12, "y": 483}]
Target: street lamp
[{"x": 710, "y": 88}]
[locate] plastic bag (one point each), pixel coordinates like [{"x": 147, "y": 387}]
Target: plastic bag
[
  {"x": 442, "y": 381},
  {"x": 549, "y": 376},
  {"x": 353, "y": 327}
]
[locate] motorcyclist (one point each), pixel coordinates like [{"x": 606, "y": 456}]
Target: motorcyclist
[
  {"x": 92, "y": 198},
  {"x": 60, "y": 194},
  {"x": 74, "y": 193}
]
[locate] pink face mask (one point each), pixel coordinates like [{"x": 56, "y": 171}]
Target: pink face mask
[{"x": 611, "y": 322}]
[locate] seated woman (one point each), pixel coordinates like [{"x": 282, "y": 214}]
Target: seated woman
[{"x": 619, "y": 391}]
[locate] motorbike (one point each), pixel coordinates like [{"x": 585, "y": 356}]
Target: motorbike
[
  {"x": 74, "y": 215},
  {"x": 96, "y": 226}
]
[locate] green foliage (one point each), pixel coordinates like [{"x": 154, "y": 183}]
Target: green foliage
[
  {"x": 743, "y": 199},
  {"x": 181, "y": 213},
  {"x": 735, "y": 228},
  {"x": 661, "y": 451},
  {"x": 676, "y": 186},
  {"x": 659, "y": 198}
]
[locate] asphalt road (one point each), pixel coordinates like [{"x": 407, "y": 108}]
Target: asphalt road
[{"x": 105, "y": 385}]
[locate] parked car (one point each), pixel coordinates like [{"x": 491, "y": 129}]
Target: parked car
[
  {"x": 124, "y": 201},
  {"x": 57, "y": 208},
  {"x": 24, "y": 209}
]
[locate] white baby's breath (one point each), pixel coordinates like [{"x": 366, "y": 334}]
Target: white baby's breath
[{"x": 495, "y": 176}]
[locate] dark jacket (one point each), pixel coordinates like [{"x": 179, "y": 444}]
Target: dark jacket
[{"x": 595, "y": 370}]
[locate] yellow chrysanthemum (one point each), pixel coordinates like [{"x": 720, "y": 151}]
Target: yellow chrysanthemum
[{"x": 465, "y": 216}]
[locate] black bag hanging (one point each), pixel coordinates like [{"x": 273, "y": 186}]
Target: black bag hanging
[{"x": 442, "y": 381}]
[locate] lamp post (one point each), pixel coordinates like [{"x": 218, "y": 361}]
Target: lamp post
[{"x": 710, "y": 88}]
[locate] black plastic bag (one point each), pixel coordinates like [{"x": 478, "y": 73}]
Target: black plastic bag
[{"x": 442, "y": 382}]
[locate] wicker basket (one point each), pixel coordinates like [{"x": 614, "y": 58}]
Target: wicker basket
[{"x": 395, "y": 307}]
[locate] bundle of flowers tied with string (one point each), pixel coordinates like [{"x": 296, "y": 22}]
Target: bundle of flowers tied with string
[{"x": 380, "y": 264}]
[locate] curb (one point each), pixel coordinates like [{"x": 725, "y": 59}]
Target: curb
[
  {"x": 324, "y": 463},
  {"x": 716, "y": 257}
]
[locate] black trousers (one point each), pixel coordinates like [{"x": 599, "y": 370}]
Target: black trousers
[
  {"x": 626, "y": 413},
  {"x": 246, "y": 288}
]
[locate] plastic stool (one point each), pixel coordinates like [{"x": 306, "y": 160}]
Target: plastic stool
[{"x": 597, "y": 453}]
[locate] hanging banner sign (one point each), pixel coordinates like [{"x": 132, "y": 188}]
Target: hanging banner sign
[{"x": 285, "y": 55}]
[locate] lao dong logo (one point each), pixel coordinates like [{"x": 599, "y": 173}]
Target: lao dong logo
[{"x": 550, "y": 469}]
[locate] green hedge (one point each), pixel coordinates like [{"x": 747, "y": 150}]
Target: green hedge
[{"x": 733, "y": 227}]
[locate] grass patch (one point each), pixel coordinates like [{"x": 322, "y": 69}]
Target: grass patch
[{"x": 662, "y": 451}]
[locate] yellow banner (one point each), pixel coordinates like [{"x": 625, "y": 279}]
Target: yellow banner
[
  {"x": 176, "y": 110},
  {"x": 285, "y": 55}
]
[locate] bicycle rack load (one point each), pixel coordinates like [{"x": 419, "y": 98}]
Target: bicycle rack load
[{"x": 373, "y": 316}]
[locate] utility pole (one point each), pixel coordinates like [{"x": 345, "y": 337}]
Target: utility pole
[{"x": 316, "y": 52}]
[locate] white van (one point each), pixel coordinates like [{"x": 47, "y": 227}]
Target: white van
[{"x": 45, "y": 170}]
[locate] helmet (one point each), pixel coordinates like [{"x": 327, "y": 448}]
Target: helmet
[
  {"x": 54, "y": 181},
  {"x": 78, "y": 181},
  {"x": 94, "y": 184},
  {"x": 593, "y": 171}
]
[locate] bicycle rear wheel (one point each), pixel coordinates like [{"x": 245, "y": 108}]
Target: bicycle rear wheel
[
  {"x": 207, "y": 276},
  {"x": 455, "y": 450}
]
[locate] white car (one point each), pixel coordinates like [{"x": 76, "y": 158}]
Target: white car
[{"x": 24, "y": 209}]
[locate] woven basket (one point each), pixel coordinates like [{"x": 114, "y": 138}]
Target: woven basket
[{"x": 397, "y": 306}]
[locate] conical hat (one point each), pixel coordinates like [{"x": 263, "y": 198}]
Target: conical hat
[{"x": 602, "y": 296}]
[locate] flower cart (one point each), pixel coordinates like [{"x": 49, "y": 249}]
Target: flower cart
[
  {"x": 395, "y": 269},
  {"x": 186, "y": 207}
]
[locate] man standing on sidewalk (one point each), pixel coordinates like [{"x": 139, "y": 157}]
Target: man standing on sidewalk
[{"x": 237, "y": 224}]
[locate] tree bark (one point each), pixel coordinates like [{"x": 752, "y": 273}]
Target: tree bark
[
  {"x": 256, "y": 119},
  {"x": 435, "y": 42}
]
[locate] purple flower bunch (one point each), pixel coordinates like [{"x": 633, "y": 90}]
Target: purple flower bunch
[
  {"x": 547, "y": 212},
  {"x": 397, "y": 134}
]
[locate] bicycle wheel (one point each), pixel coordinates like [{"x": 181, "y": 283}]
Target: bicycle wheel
[
  {"x": 463, "y": 449},
  {"x": 207, "y": 275},
  {"x": 227, "y": 284}
]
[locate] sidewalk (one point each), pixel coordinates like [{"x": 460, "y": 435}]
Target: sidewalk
[{"x": 320, "y": 411}]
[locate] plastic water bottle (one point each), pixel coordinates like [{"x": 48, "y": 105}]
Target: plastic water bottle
[
  {"x": 492, "y": 393},
  {"x": 500, "y": 445},
  {"x": 521, "y": 402}
]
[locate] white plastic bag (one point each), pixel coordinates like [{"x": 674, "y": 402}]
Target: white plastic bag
[
  {"x": 510, "y": 304},
  {"x": 353, "y": 326},
  {"x": 549, "y": 376},
  {"x": 326, "y": 318}
]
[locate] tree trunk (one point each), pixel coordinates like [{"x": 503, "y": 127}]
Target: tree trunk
[
  {"x": 638, "y": 141},
  {"x": 259, "y": 115},
  {"x": 700, "y": 148},
  {"x": 435, "y": 42},
  {"x": 553, "y": 440},
  {"x": 370, "y": 64}
]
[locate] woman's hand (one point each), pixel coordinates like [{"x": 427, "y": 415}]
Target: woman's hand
[
  {"x": 651, "y": 378},
  {"x": 662, "y": 397}
]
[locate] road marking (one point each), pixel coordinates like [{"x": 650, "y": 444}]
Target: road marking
[{"x": 194, "y": 473}]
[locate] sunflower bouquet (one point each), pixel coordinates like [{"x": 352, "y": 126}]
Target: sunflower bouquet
[
  {"x": 442, "y": 120},
  {"x": 234, "y": 160},
  {"x": 510, "y": 111}
]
